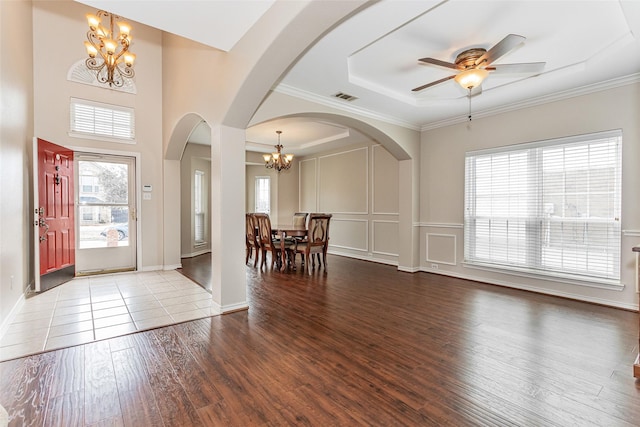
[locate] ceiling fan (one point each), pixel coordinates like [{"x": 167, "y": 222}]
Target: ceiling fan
[{"x": 474, "y": 65}]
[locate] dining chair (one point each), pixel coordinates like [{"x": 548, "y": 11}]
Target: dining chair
[
  {"x": 252, "y": 238},
  {"x": 316, "y": 242},
  {"x": 268, "y": 243},
  {"x": 300, "y": 218}
]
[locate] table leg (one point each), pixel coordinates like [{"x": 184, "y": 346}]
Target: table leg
[{"x": 283, "y": 251}]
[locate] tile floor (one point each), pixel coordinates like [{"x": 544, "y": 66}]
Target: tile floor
[{"x": 98, "y": 307}]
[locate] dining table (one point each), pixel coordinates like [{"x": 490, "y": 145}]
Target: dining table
[{"x": 287, "y": 230}]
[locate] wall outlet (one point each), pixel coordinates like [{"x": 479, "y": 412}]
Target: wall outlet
[{"x": 434, "y": 266}]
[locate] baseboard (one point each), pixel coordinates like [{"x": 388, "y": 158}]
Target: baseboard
[
  {"x": 197, "y": 253},
  {"x": 408, "y": 269},
  {"x": 568, "y": 295},
  {"x": 172, "y": 267},
  {"x": 12, "y": 315},
  {"x": 231, "y": 308},
  {"x": 152, "y": 268},
  {"x": 363, "y": 258}
]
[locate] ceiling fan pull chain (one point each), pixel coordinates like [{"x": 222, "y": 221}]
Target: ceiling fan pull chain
[{"x": 469, "y": 104}]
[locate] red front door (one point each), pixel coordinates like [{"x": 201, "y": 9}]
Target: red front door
[{"x": 54, "y": 222}]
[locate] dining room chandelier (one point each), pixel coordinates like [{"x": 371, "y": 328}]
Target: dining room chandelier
[
  {"x": 108, "y": 49},
  {"x": 277, "y": 160}
]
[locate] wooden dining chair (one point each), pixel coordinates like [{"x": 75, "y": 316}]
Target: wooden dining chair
[
  {"x": 316, "y": 242},
  {"x": 268, "y": 243},
  {"x": 300, "y": 218},
  {"x": 253, "y": 242}
]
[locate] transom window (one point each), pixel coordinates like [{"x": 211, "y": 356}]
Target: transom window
[
  {"x": 90, "y": 118},
  {"x": 550, "y": 207}
]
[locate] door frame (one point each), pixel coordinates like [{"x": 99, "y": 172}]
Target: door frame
[{"x": 137, "y": 185}]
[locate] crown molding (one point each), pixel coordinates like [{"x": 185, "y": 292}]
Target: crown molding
[
  {"x": 558, "y": 96},
  {"x": 541, "y": 100},
  {"x": 340, "y": 105}
]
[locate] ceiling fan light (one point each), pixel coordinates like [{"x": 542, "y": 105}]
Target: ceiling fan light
[{"x": 472, "y": 78}]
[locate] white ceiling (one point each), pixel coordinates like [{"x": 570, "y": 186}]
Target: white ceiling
[{"x": 587, "y": 45}]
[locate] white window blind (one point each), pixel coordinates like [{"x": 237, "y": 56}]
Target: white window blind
[
  {"x": 97, "y": 119},
  {"x": 198, "y": 188},
  {"x": 263, "y": 194},
  {"x": 551, "y": 207}
]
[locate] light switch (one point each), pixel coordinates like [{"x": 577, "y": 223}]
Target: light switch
[{"x": 146, "y": 196}]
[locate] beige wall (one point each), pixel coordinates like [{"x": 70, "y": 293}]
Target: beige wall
[
  {"x": 359, "y": 186},
  {"x": 52, "y": 92},
  {"x": 442, "y": 182},
  {"x": 16, "y": 131},
  {"x": 195, "y": 157}
]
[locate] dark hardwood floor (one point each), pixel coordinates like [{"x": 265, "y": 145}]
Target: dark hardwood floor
[
  {"x": 198, "y": 269},
  {"x": 360, "y": 345}
]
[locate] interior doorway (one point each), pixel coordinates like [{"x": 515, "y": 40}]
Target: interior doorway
[{"x": 106, "y": 214}]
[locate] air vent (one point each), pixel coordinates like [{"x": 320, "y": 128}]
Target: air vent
[{"x": 345, "y": 96}]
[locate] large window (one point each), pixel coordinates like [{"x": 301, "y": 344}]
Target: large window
[
  {"x": 263, "y": 194},
  {"x": 550, "y": 207}
]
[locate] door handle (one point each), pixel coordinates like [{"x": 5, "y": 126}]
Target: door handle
[{"x": 43, "y": 223}]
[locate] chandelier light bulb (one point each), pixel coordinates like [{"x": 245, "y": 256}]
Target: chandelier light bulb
[
  {"x": 277, "y": 160},
  {"x": 108, "y": 49}
]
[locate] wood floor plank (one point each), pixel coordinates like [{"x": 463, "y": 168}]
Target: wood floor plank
[
  {"x": 101, "y": 400},
  {"x": 172, "y": 400},
  {"x": 137, "y": 399}
]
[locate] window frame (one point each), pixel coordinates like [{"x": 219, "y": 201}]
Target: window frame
[
  {"x": 125, "y": 114},
  {"x": 257, "y": 207},
  {"x": 199, "y": 208},
  {"x": 534, "y": 266}
]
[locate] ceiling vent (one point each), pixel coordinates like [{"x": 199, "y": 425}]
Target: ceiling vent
[{"x": 345, "y": 96}]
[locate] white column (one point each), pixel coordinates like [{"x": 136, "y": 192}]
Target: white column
[
  {"x": 409, "y": 250},
  {"x": 229, "y": 287}
]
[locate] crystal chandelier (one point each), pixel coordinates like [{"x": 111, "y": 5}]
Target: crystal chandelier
[
  {"x": 108, "y": 50},
  {"x": 277, "y": 160}
]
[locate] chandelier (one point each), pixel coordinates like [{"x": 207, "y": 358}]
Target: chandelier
[
  {"x": 108, "y": 51},
  {"x": 277, "y": 160}
]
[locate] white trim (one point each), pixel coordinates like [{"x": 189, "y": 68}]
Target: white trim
[
  {"x": 596, "y": 283},
  {"x": 631, "y": 233},
  {"x": 544, "y": 291},
  {"x": 455, "y": 249},
  {"x": 373, "y": 187},
  {"x": 532, "y": 102},
  {"x": 101, "y": 138},
  {"x": 342, "y": 106},
  {"x": 171, "y": 267},
  {"x": 35, "y": 223},
  {"x": 366, "y": 237},
  {"x": 408, "y": 269},
  {"x": 138, "y": 184},
  {"x": 230, "y": 308},
  {"x": 4, "y": 327},
  {"x": 373, "y": 236},
  {"x": 151, "y": 268},
  {"x": 439, "y": 225},
  {"x": 366, "y": 191},
  {"x": 196, "y": 253},
  {"x": 363, "y": 258}
]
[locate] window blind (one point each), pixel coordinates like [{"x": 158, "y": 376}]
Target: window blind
[
  {"x": 550, "y": 207},
  {"x": 102, "y": 120}
]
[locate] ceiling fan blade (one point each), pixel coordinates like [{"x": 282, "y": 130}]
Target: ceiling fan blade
[
  {"x": 439, "y": 62},
  {"x": 523, "y": 68},
  {"x": 500, "y": 49},
  {"x": 419, "y": 88}
]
